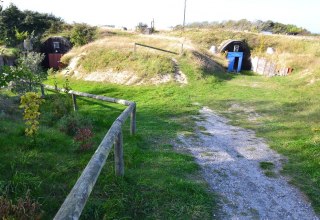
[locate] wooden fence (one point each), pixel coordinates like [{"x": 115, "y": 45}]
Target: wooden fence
[
  {"x": 265, "y": 67},
  {"x": 74, "y": 203},
  {"x": 154, "y": 48}
]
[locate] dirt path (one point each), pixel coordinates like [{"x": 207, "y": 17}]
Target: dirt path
[{"x": 230, "y": 158}]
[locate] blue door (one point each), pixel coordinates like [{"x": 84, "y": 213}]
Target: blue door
[{"x": 235, "y": 61}]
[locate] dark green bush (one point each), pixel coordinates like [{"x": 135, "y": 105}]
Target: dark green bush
[
  {"x": 82, "y": 34},
  {"x": 70, "y": 124}
]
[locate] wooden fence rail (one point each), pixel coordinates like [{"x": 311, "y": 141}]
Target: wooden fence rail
[
  {"x": 74, "y": 203},
  {"x": 155, "y": 48}
]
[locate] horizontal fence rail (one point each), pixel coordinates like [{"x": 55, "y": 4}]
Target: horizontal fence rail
[
  {"x": 155, "y": 48},
  {"x": 74, "y": 203}
]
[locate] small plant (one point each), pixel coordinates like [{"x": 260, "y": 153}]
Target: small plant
[
  {"x": 69, "y": 124},
  {"x": 31, "y": 102},
  {"x": 60, "y": 106},
  {"x": 24, "y": 208},
  {"x": 83, "y": 139},
  {"x": 66, "y": 85}
]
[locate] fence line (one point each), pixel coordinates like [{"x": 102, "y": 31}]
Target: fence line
[
  {"x": 155, "y": 48},
  {"x": 74, "y": 203},
  {"x": 265, "y": 67}
]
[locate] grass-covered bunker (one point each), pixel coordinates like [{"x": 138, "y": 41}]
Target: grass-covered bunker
[
  {"x": 54, "y": 48},
  {"x": 238, "y": 46}
]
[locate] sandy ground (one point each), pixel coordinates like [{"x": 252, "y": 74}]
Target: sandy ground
[{"x": 230, "y": 159}]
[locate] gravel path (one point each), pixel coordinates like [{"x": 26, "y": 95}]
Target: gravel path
[{"x": 230, "y": 158}]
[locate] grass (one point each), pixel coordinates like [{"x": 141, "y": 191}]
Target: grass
[
  {"x": 266, "y": 165},
  {"x": 143, "y": 64},
  {"x": 159, "y": 183}
]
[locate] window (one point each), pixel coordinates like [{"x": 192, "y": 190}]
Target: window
[
  {"x": 236, "y": 48},
  {"x": 56, "y": 45}
]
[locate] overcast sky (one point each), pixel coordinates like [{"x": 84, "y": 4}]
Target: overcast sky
[{"x": 128, "y": 13}]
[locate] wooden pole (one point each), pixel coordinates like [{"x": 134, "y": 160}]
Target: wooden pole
[
  {"x": 135, "y": 48},
  {"x": 74, "y": 101},
  {"x": 42, "y": 91},
  {"x": 133, "y": 121},
  {"x": 118, "y": 155}
]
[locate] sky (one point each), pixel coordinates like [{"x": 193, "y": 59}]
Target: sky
[{"x": 167, "y": 13}]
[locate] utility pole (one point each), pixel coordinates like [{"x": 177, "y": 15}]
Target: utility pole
[{"x": 184, "y": 23}]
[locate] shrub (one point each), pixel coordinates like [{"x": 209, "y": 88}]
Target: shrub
[
  {"x": 69, "y": 124},
  {"x": 31, "y": 102},
  {"x": 83, "y": 138},
  {"x": 26, "y": 75},
  {"x": 61, "y": 106},
  {"x": 82, "y": 34}
]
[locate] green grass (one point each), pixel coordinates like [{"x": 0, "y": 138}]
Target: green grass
[
  {"x": 159, "y": 183},
  {"x": 266, "y": 165},
  {"x": 289, "y": 114},
  {"x": 143, "y": 64}
]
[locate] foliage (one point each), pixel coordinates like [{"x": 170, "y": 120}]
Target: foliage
[
  {"x": 31, "y": 102},
  {"x": 141, "y": 27},
  {"x": 69, "y": 124},
  {"x": 59, "y": 106},
  {"x": 16, "y": 24},
  {"x": 82, "y": 34},
  {"x": 28, "y": 74},
  {"x": 255, "y": 26},
  {"x": 20, "y": 36},
  {"x": 83, "y": 138},
  {"x": 25, "y": 208}
]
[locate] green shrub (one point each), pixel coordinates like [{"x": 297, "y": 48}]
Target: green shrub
[
  {"x": 31, "y": 102},
  {"x": 82, "y": 34},
  {"x": 70, "y": 124}
]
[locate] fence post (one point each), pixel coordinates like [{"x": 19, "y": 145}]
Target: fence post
[
  {"x": 118, "y": 155},
  {"x": 74, "y": 100},
  {"x": 42, "y": 91},
  {"x": 135, "y": 48},
  {"x": 133, "y": 121}
]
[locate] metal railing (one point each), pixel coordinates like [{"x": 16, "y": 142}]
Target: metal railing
[{"x": 74, "y": 203}]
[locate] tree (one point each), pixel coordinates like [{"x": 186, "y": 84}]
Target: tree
[
  {"x": 13, "y": 21},
  {"x": 26, "y": 76}
]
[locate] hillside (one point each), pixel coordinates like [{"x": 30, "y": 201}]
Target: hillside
[{"x": 114, "y": 58}]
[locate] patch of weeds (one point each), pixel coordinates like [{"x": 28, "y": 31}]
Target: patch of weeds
[
  {"x": 270, "y": 174},
  {"x": 202, "y": 128},
  {"x": 207, "y": 133},
  {"x": 220, "y": 173},
  {"x": 240, "y": 156},
  {"x": 266, "y": 165},
  {"x": 188, "y": 134}
]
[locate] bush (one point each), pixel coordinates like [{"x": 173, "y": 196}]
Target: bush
[
  {"x": 82, "y": 34},
  {"x": 31, "y": 102},
  {"x": 83, "y": 138},
  {"x": 61, "y": 106},
  {"x": 70, "y": 124}
]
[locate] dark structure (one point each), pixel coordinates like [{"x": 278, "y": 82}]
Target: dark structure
[
  {"x": 238, "y": 46},
  {"x": 54, "y": 48}
]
